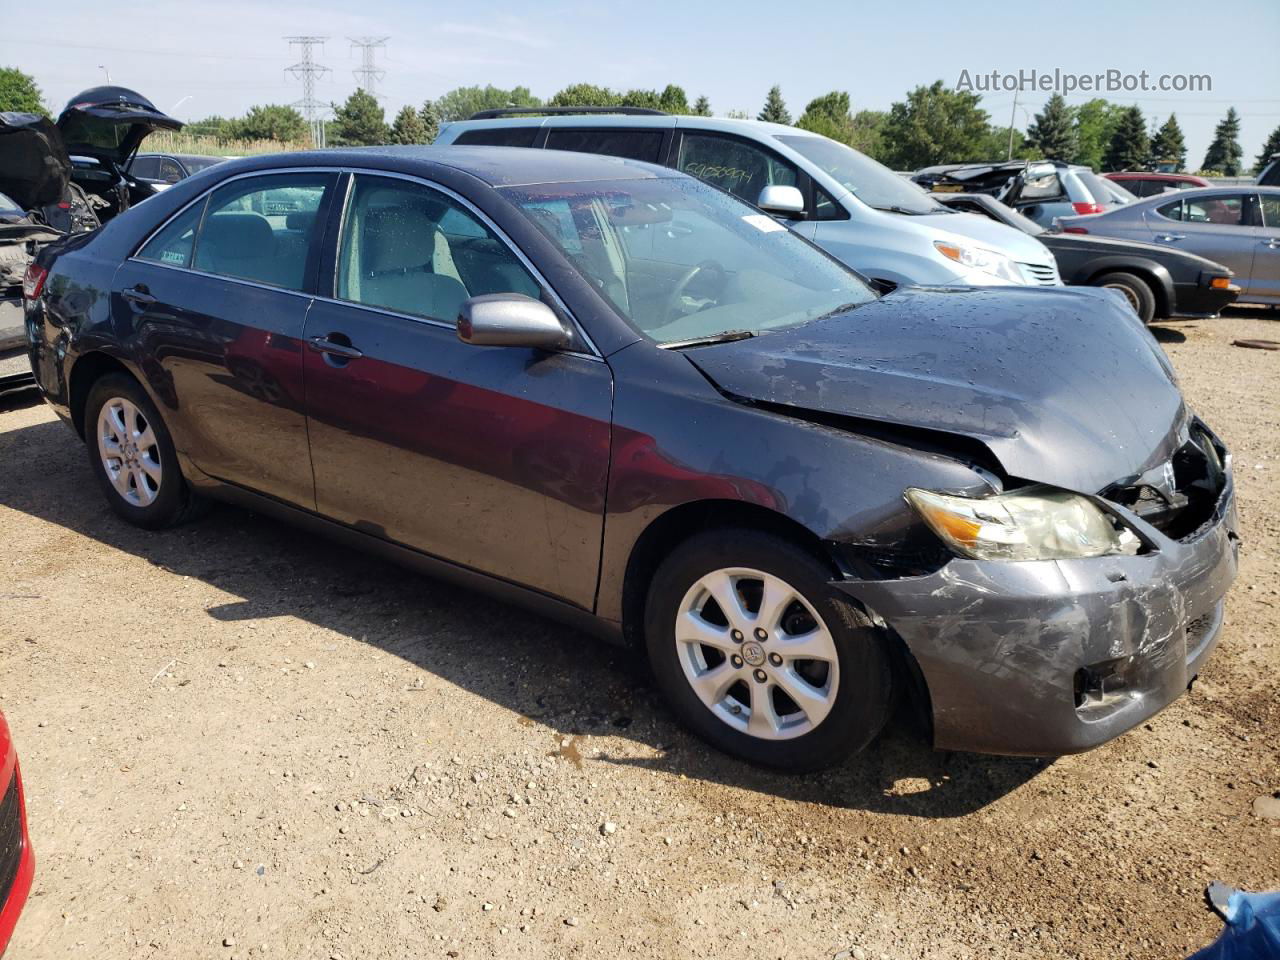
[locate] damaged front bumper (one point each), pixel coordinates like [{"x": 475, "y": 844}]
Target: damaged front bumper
[{"x": 1058, "y": 656}]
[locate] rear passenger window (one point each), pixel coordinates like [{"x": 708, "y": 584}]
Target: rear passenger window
[
  {"x": 174, "y": 243},
  {"x": 739, "y": 167},
  {"x": 262, "y": 228},
  {"x": 631, "y": 144},
  {"x": 414, "y": 250},
  {"x": 498, "y": 137}
]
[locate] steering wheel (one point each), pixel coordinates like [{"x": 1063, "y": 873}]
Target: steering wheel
[{"x": 712, "y": 268}]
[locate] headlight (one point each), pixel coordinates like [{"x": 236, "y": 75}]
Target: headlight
[
  {"x": 1036, "y": 523},
  {"x": 976, "y": 258}
]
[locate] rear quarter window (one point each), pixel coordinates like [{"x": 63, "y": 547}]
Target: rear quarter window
[
  {"x": 173, "y": 244},
  {"x": 498, "y": 137}
]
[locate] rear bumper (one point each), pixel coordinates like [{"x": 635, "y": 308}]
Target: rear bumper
[
  {"x": 1055, "y": 657},
  {"x": 17, "y": 865}
]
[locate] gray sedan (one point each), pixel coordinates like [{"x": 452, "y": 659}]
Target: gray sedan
[{"x": 1236, "y": 226}]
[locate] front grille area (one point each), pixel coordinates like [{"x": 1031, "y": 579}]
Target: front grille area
[
  {"x": 1039, "y": 273},
  {"x": 10, "y": 838},
  {"x": 1178, "y": 497}
]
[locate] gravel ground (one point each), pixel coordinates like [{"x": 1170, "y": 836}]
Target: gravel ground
[{"x": 242, "y": 741}]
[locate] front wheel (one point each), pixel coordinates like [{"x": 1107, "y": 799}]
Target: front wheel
[
  {"x": 132, "y": 455},
  {"x": 1134, "y": 289},
  {"x": 761, "y": 657}
]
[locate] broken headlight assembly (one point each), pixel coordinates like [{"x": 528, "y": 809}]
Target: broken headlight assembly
[{"x": 1032, "y": 523}]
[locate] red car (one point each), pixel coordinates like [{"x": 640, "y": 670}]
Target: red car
[
  {"x": 17, "y": 864},
  {"x": 1150, "y": 184}
]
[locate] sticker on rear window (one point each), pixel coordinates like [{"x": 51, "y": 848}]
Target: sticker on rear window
[
  {"x": 173, "y": 256},
  {"x": 762, "y": 223}
]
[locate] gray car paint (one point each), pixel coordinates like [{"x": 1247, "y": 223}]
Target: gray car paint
[{"x": 1252, "y": 252}]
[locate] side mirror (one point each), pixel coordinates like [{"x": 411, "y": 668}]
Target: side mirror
[
  {"x": 510, "y": 320},
  {"x": 784, "y": 201}
]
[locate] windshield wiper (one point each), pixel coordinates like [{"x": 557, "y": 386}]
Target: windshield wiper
[
  {"x": 725, "y": 337},
  {"x": 894, "y": 208}
]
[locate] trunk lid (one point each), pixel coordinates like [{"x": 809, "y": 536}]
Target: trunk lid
[
  {"x": 108, "y": 123},
  {"x": 1063, "y": 387}
]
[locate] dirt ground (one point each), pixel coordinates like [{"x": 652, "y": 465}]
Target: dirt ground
[{"x": 241, "y": 741}]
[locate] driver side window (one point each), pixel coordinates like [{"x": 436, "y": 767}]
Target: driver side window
[{"x": 736, "y": 166}]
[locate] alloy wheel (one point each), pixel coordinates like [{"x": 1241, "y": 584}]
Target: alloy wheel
[
  {"x": 129, "y": 451},
  {"x": 757, "y": 654},
  {"x": 1128, "y": 295}
]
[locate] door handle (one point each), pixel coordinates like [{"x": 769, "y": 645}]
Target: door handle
[
  {"x": 139, "y": 295},
  {"x": 1170, "y": 237},
  {"x": 1273, "y": 244},
  {"x": 343, "y": 350}
]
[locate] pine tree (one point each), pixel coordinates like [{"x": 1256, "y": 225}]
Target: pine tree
[
  {"x": 1129, "y": 148},
  {"x": 1168, "y": 145},
  {"x": 1224, "y": 153},
  {"x": 775, "y": 109},
  {"x": 408, "y": 127},
  {"x": 359, "y": 122},
  {"x": 1053, "y": 133},
  {"x": 1271, "y": 147},
  {"x": 702, "y": 108},
  {"x": 429, "y": 114}
]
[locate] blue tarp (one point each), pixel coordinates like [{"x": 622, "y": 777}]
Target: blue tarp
[{"x": 1253, "y": 926}]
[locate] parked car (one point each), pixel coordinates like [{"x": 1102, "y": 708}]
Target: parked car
[
  {"x": 850, "y": 205},
  {"x": 1158, "y": 281},
  {"x": 17, "y": 863},
  {"x": 1238, "y": 227},
  {"x": 1040, "y": 190},
  {"x": 1154, "y": 184},
  {"x": 64, "y": 177},
  {"x": 625, "y": 397},
  {"x": 1269, "y": 176},
  {"x": 162, "y": 170}
]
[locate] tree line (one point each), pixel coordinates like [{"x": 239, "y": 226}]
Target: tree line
[{"x": 933, "y": 124}]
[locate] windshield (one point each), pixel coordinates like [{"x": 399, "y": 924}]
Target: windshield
[
  {"x": 682, "y": 261},
  {"x": 1104, "y": 190},
  {"x": 872, "y": 183}
]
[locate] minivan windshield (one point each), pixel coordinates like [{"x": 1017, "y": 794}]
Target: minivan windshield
[
  {"x": 685, "y": 263},
  {"x": 871, "y": 182}
]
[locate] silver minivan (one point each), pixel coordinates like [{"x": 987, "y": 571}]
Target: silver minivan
[{"x": 858, "y": 210}]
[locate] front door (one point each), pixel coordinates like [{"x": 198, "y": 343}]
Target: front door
[
  {"x": 494, "y": 458},
  {"x": 216, "y": 301}
]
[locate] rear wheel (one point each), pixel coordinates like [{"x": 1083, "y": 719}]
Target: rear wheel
[
  {"x": 1135, "y": 290},
  {"x": 132, "y": 455},
  {"x": 761, "y": 657}
]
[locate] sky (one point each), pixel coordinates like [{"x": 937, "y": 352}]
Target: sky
[{"x": 198, "y": 59}]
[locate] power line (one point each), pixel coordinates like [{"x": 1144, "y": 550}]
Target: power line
[
  {"x": 367, "y": 74},
  {"x": 307, "y": 70}
]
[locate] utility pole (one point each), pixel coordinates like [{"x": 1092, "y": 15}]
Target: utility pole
[
  {"x": 307, "y": 70},
  {"x": 367, "y": 74},
  {"x": 1013, "y": 112}
]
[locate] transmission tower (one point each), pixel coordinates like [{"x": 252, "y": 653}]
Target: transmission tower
[
  {"x": 307, "y": 70},
  {"x": 368, "y": 75}
]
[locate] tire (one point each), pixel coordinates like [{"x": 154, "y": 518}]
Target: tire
[
  {"x": 847, "y": 688},
  {"x": 1136, "y": 290},
  {"x": 144, "y": 485}
]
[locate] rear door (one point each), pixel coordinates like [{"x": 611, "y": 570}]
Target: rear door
[
  {"x": 1220, "y": 226},
  {"x": 494, "y": 458},
  {"x": 1265, "y": 281},
  {"x": 215, "y": 302}
]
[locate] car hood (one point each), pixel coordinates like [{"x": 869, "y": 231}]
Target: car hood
[
  {"x": 1063, "y": 387},
  {"x": 995, "y": 236},
  {"x": 1108, "y": 245},
  {"x": 34, "y": 166},
  {"x": 108, "y": 123}
]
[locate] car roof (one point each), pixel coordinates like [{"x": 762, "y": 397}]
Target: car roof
[
  {"x": 496, "y": 166},
  {"x": 1151, "y": 175},
  {"x": 599, "y": 121}
]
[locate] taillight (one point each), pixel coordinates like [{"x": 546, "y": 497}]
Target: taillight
[
  {"x": 1083, "y": 208},
  {"x": 33, "y": 281},
  {"x": 1074, "y": 230}
]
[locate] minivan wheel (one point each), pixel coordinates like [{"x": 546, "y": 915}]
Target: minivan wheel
[
  {"x": 132, "y": 455},
  {"x": 761, "y": 657},
  {"x": 1135, "y": 290}
]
